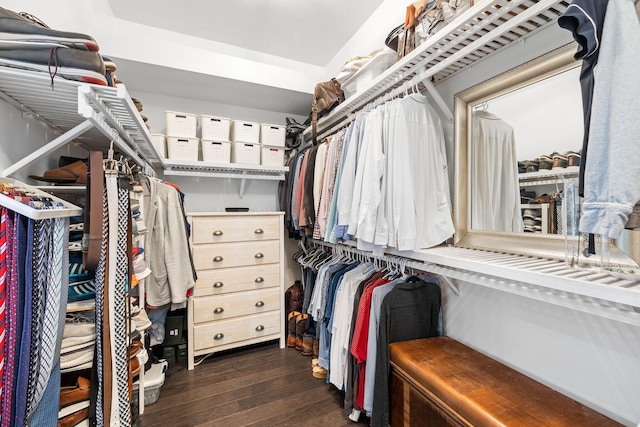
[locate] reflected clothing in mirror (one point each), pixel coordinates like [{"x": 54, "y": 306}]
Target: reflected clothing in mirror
[{"x": 495, "y": 194}]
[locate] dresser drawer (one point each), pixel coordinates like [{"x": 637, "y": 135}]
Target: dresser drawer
[
  {"x": 224, "y": 332},
  {"x": 235, "y": 229},
  {"x": 223, "y": 255},
  {"x": 218, "y": 307},
  {"x": 237, "y": 279}
]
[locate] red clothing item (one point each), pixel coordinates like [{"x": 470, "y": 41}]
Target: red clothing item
[{"x": 361, "y": 330}]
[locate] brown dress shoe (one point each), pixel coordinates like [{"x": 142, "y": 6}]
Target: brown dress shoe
[
  {"x": 71, "y": 395},
  {"x": 74, "y": 419}
]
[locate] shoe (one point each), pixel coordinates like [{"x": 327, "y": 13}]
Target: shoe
[
  {"x": 140, "y": 267},
  {"x": 74, "y": 394},
  {"x": 531, "y": 165},
  {"x": 319, "y": 372},
  {"x": 302, "y": 326},
  {"x": 521, "y": 167},
  {"x": 75, "y": 418},
  {"x": 307, "y": 345},
  {"x": 25, "y": 28},
  {"x": 545, "y": 162},
  {"x": 291, "y": 328},
  {"x": 573, "y": 158},
  {"x": 75, "y": 173},
  {"x": 559, "y": 161},
  {"x": 316, "y": 348},
  {"x": 71, "y": 64},
  {"x": 137, "y": 103},
  {"x": 527, "y": 197},
  {"x": 139, "y": 316}
]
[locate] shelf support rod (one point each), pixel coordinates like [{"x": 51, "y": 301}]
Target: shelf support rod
[
  {"x": 436, "y": 96},
  {"x": 63, "y": 139}
]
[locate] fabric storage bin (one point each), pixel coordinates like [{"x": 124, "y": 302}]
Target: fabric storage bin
[
  {"x": 272, "y": 156},
  {"x": 245, "y": 132},
  {"x": 181, "y": 124},
  {"x": 215, "y": 128},
  {"x": 182, "y": 148},
  {"x": 160, "y": 142},
  {"x": 244, "y": 152},
  {"x": 272, "y": 135},
  {"x": 215, "y": 151}
]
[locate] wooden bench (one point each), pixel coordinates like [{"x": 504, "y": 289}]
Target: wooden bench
[{"x": 441, "y": 382}]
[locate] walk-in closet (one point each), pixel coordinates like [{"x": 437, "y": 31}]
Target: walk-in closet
[{"x": 381, "y": 213}]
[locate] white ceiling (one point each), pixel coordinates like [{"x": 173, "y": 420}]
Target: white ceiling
[
  {"x": 307, "y": 31},
  {"x": 291, "y": 34}
]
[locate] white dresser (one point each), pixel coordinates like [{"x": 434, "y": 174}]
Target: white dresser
[{"x": 239, "y": 295}]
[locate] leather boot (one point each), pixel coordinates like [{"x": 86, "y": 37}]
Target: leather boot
[
  {"x": 302, "y": 326},
  {"x": 291, "y": 328}
]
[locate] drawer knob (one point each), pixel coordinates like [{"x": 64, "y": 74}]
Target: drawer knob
[
  {"x": 218, "y": 285},
  {"x": 218, "y": 310},
  {"x": 260, "y": 304},
  {"x": 259, "y": 328},
  {"x": 259, "y": 255},
  {"x": 217, "y": 259},
  {"x": 259, "y": 231},
  {"x": 259, "y": 279},
  {"x": 218, "y": 233},
  {"x": 218, "y": 336}
]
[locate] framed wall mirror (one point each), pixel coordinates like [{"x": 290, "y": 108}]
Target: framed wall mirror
[{"x": 518, "y": 138}]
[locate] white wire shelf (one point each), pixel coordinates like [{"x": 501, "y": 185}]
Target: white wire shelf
[
  {"x": 484, "y": 29},
  {"x": 224, "y": 170},
  {"x": 545, "y": 177},
  {"x": 92, "y": 115}
]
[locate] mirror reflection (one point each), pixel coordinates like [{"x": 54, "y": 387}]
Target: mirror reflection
[{"x": 524, "y": 152}]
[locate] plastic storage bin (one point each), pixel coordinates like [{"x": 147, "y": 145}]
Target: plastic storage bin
[
  {"x": 181, "y": 124},
  {"x": 245, "y": 132},
  {"x": 215, "y": 128},
  {"x": 153, "y": 381},
  {"x": 272, "y": 156},
  {"x": 273, "y": 135},
  {"x": 182, "y": 148},
  {"x": 244, "y": 152},
  {"x": 216, "y": 151},
  {"x": 160, "y": 141}
]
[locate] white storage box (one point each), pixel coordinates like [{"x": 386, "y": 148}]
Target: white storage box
[
  {"x": 215, "y": 128},
  {"x": 160, "y": 142},
  {"x": 272, "y": 156},
  {"x": 369, "y": 71},
  {"x": 273, "y": 135},
  {"x": 153, "y": 381},
  {"x": 181, "y": 124},
  {"x": 182, "y": 148},
  {"x": 245, "y": 132},
  {"x": 244, "y": 152},
  {"x": 215, "y": 151}
]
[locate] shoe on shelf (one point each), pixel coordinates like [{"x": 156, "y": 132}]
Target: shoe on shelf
[
  {"x": 531, "y": 166},
  {"x": 545, "y": 162},
  {"x": 73, "y": 394},
  {"x": 25, "y": 28},
  {"x": 75, "y": 173},
  {"x": 140, "y": 267},
  {"x": 559, "y": 160},
  {"x": 71, "y": 64},
  {"x": 573, "y": 158}
]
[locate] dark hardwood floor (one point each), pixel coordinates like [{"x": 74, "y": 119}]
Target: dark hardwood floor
[{"x": 254, "y": 386}]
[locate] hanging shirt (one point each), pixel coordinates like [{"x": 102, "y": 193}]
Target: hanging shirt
[
  {"x": 495, "y": 189},
  {"x": 332, "y": 221},
  {"x": 421, "y": 205},
  {"x": 611, "y": 187}
]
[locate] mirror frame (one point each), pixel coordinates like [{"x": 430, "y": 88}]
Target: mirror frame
[{"x": 546, "y": 246}]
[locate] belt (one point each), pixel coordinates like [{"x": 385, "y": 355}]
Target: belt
[{"x": 92, "y": 238}]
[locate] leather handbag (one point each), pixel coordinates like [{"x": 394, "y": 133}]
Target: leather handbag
[{"x": 325, "y": 97}]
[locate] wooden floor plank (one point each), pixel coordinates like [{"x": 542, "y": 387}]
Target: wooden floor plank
[{"x": 261, "y": 385}]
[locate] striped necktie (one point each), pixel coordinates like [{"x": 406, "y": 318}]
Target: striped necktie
[
  {"x": 52, "y": 283},
  {"x": 10, "y": 317}
]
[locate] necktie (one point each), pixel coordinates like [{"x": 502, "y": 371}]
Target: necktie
[
  {"x": 10, "y": 318},
  {"x": 3, "y": 294}
]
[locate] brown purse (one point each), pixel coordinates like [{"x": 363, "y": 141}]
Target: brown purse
[{"x": 325, "y": 97}]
